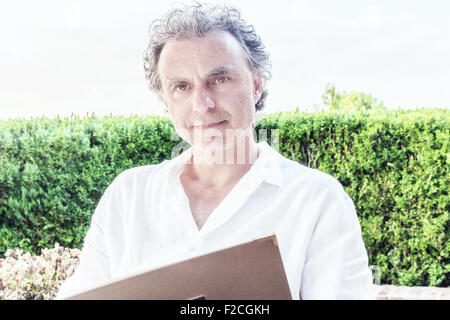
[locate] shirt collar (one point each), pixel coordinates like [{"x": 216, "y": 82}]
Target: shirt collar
[
  {"x": 268, "y": 164},
  {"x": 266, "y": 167}
]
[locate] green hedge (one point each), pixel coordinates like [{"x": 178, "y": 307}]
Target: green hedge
[
  {"x": 393, "y": 164},
  {"x": 53, "y": 172}
]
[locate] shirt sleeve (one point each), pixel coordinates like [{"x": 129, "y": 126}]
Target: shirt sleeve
[
  {"x": 93, "y": 266},
  {"x": 336, "y": 265}
]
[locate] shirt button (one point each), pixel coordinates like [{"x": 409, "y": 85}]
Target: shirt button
[{"x": 192, "y": 248}]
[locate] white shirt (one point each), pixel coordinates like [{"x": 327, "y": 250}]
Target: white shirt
[{"x": 143, "y": 220}]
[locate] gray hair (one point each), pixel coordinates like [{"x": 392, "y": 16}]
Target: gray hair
[{"x": 196, "y": 21}]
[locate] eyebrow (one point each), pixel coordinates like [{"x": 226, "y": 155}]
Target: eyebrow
[
  {"x": 220, "y": 71},
  {"x": 215, "y": 72}
]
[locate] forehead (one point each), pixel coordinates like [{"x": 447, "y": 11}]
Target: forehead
[{"x": 216, "y": 49}]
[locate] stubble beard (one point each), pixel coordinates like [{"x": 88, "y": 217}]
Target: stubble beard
[{"x": 215, "y": 147}]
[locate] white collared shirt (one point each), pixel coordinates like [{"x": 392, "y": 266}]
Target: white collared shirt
[{"x": 143, "y": 220}]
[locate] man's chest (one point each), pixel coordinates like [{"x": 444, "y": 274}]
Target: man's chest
[
  {"x": 201, "y": 209},
  {"x": 202, "y": 202}
]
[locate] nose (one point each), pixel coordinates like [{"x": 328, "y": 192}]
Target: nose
[{"x": 203, "y": 100}]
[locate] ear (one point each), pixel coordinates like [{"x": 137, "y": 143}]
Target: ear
[{"x": 257, "y": 86}]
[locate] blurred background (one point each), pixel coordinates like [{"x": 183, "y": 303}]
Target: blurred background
[{"x": 64, "y": 57}]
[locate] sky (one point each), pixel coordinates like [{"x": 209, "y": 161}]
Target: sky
[{"x": 59, "y": 58}]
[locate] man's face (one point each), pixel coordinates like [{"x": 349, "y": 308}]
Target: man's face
[{"x": 208, "y": 88}]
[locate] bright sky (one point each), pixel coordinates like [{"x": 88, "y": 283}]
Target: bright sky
[{"x": 63, "y": 57}]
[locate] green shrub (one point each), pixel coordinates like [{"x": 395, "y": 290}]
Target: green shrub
[
  {"x": 53, "y": 172},
  {"x": 393, "y": 164}
]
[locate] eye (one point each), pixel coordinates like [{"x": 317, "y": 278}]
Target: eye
[
  {"x": 221, "y": 80},
  {"x": 181, "y": 87}
]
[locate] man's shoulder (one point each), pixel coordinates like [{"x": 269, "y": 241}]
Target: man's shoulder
[
  {"x": 297, "y": 173},
  {"x": 315, "y": 187},
  {"x": 140, "y": 170},
  {"x": 139, "y": 174}
]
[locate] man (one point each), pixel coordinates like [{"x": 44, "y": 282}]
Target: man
[{"x": 209, "y": 68}]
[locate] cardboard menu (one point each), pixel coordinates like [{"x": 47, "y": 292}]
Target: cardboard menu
[{"x": 249, "y": 271}]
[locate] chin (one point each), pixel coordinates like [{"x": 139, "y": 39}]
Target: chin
[{"x": 212, "y": 144}]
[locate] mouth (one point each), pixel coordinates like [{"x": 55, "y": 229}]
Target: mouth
[{"x": 210, "y": 125}]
